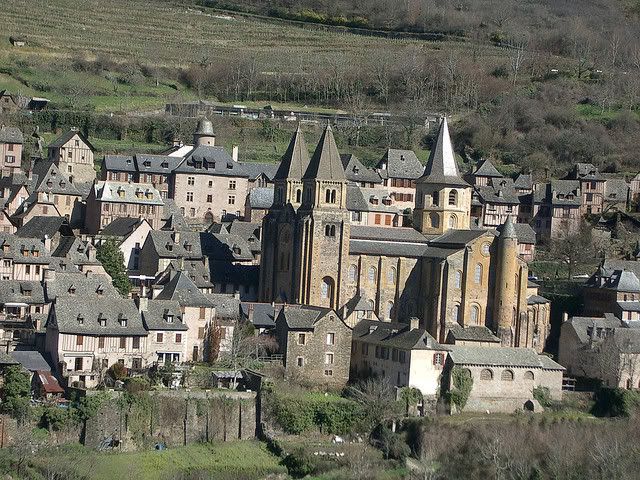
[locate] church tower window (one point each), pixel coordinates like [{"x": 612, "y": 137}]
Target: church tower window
[
  {"x": 475, "y": 314},
  {"x": 434, "y": 219},
  {"x": 298, "y": 195},
  {"x": 353, "y": 272},
  {"x": 453, "y": 197},
  {"x": 478, "y": 274},
  {"x": 372, "y": 275},
  {"x": 391, "y": 276},
  {"x": 453, "y": 221},
  {"x": 458, "y": 279},
  {"x": 389, "y": 309},
  {"x": 436, "y": 198}
]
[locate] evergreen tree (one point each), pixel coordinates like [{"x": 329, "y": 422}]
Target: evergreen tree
[
  {"x": 16, "y": 392},
  {"x": 112, "y": 260}
]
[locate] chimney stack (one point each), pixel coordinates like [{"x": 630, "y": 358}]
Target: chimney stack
[
  {"x": 234, "y": 153},
  {"x": 143, "y": 304},
  {"x": 414, "y": 323}
]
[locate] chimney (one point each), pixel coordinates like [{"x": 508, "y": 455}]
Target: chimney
[
  {"x": 565, "y": 317},
  {"x": 49, "y": 275},
  {"x": 175, "y": 236},
  {"x": 91, "y": 253},
  {"x": 234, "y": 153},
  {"x": 143, "y": 304},
  {"x": 176, "y": 142},
  {"x": 250, "y": 309},
  {"x": 414, "y": 323},
  {"x": 47, "y": 242},
  {"x": 155, "y": 290}
]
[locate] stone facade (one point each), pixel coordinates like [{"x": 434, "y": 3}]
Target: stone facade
[{"x": 73, "y": 154}]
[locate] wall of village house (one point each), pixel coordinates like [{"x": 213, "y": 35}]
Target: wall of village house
[
  {"x": 164, "y": 341},
  {"x": 198, "y": 320},
  {"x": 100, "y": 214},
  {"x": 68, "y": 205},
  {"x": 382, "y": 219},
  {"x": 315, "y": 369},
  {"x": 10, "y": 158},
  {"x": 391, "y": 290},
  {"x": 398, "y": 192},
  {"x": 75, "y": 160},
  {"x": 209, "y": 194},
  {"x": 565, "y": 221},
  {"x": 160, "y": 182},
  {"x": 131, "y": 247},
  {"x": 592, "y": 196},
  {"x": 5, "y": 224},
  {"x": 496, "y": 214},
  {"x": 38, "y": 210},
  {"x": 23, "y": 271},
  {"x": 426, "y": 371}
]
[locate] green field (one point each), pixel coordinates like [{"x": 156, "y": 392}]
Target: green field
[{"x": 240, "y": 460}]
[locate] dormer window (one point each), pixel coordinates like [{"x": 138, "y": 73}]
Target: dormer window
[
  {"x": 236, "y": 249},
  {"x": 121, "y": 192},
  {"x": 169, "y": 318},
  {"x": 149, "y": 194},
  {"x": 80, "y": 320},
  {"x": 102, "y": 321},
  {"x": 147, "y": 163},
  {"x": 49, "y": 183},
  {"x": 187, "y": 247},
  {"x": 72, "y": 290},
  {"x": 123, "y": 322},
  {"x": 35, "y": 253},
  {"x": 229, "y": 166},
  {"x": 99, "y": 290},
  {"x": 63, "y": 184},
  {"x": 5, "y": 247},
  {"x": 138, "y": 193},
  {"x": 164, "y": 165},
  {"x": 169, "y": 247}
]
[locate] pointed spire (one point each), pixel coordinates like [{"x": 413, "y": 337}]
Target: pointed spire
[
  {"x": 442, "y": 167},
  {"x": 326, "y": 163},
  {"x": 295, "y": 160},
  {"x": 508, "y": 229}
]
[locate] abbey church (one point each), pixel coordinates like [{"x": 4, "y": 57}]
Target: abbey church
[{"x": 443, "y": 270}]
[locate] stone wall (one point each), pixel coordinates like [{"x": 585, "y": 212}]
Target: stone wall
[{"x": 174, "y": 418}]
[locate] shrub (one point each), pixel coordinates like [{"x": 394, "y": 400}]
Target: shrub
[
  {"x": 118, "y": 371},
  {"x": 462, "y": 385},
  {"x": 298, "y": 464},
  {"x": 16, "y": 392},
  {"x": 543, "y": 396},
  {"x": 392, "y": 444},
  {"x": 54, "y": 418},
  {"x": 135, "y": 385},
  {"x": 616, "y": 402}
]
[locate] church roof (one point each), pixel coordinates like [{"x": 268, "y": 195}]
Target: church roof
[
  {"x": 325, "y": 163},
  {"x": 295, "y": 161},
  {"x": 501, "y": 357},
  {"x": 441, "y": 167},
  {"x": 487, "y": 169}
]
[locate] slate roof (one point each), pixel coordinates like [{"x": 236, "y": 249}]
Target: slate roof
[
  {"x": 458, "y": 238},
  {"x": 11, "y": 135},
  {"x": 158, "y": 164},
  {"x": 65, "y": 137},
  {"x": 355, "y": 171},
  {"x": 21, "y": 291},
  {"x": 200, "y": 243},
  {"x": 616, "y": 190},
  {"x": 581, "y": 324},
  {"x": 398, "y": 163},
  {"x": 75, "y": 250},
  {"x": 119, "y": 163},
  {"x": 261, "y": 197},
  {"x": 558, "y": 192},
  {"x": 499, "y": 191},
  {"x": 487, "y": 169},
  {"x": 138, "y": 193},
  {"x": 121, "y": 227},
  {"x": 41, "y": 226},
  {"x": 261, "y": 315},
  {"x": 536, "y": 300},
  {"x": 585, "y": 171},
  {"x": 524, "y": 181},
  {"x": 32, "y": 246},
  {"x": 472, "y": 334},
  {"x": 623, "y": 281},
  {"x": 173, "y": 218},
  {"x": 370, "y": 193},
  {"x": 6, "y": 359},
  {"x": 158, "y": 314},
  {"x": 442, "y": 167},
  {"x": 302, "y": 317},
  {"x": 47, "y": 178},
  {"x": 609, "y": 266},
  {"x": 73, "y": 315},
  {"x": 195, "y": 269},
  {"x": 629, "y": 306},
  {"x": 85, "y": 286},
  {"x": 400, "y": 249},
  {"x": 295, "y": 161},
  {"x": 211, "y": 160},
  {"x": 31, "y": 360},
  {"x": 500, "y": 357},
  {"x": 627, "y": 339},
  {"x": 395, "y": 335},
  {"x": 325, "y": 163},
  {"x": 255, "y": 169},
  {"x": 182, "y": 289},
  {"x": 397, "y": 234},
  {"x": 226, "y": 305}
]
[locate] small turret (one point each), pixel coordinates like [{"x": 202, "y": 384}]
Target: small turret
[
  {"x": 204, "y": 133},
  {"x": 508, "y": 281}
]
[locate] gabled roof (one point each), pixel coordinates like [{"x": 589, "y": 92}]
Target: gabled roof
[
  {"x": 298, "y": 317},
  {"x": 75, "y": 250},
  {"x": 395, "y": 334},
  {"x": 49, "y": 382},
  {"x": 398, "y": 163},
  {"x": 356, "y": 172},
  {"x": 68, "y": 135},
  {"x": 524, "y": 181},
  {"x": 500, "y": 357},
  {"x": 79, "y": 286},
  {"x": 21, "y": 291},
  {"x": 226, "y": 305},
  {"x": 122, "y": 226},
  {"x": 498, "y": 191},
  {"x": 47, "y": 178},
  {"x": 261, "y": 198},
  {"x": 458, "y": 238},
  {"x": 441, "y": 167},
  {"x": 163, "y": 315},
  {"x": 11, "y": 135},
  {"x": 211, "y": 160},
  {"x": 487, "y": 169},
  {"x": 162, "y": 164},
  {"x": 71, "y": 316},
  {"x": 31, "y": 360},
  {"x": 41, "y": 227},
  {"x": 255, "y": 169},
  {"x": 182, "y": 289},
  {"x": 472, "y": 334},
  {"x": 120, "y": 163},
  {"x": 261, "y": 315},
  {"x": 325, "y": 162},
  {"x": 124, "y": 192},
  {"x": 295, "y": 161},
  {"x": 24, "y": 250},
  {"x": 195, "y": 269},
  {"x": 580, "y": 325}
]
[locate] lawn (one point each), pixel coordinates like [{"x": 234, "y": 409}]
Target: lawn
[{"x": 238, "y": 460}]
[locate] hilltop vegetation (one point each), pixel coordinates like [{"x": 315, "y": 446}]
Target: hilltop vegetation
[{"x": 537, "y": 85}]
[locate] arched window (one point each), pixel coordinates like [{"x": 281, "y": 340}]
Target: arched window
[
  {"x": 389, "y": 309},
  {"x": 327, "y": 196},
  {"x": 458, "y": 279},
  {"x": 528, "y": 375},
  {"x": 453, "y": 197},
  {"x": 506, "y": 376},
  {"x": 436, "y": 198},
  {"x": 477, "y": 276},
  {"x": 298, "y": 196},
  {"x": 372, "y": 305},
  {"x": 333, "y": 196},
  {"x": 391, "y": 276},
  {"x": 486, "y": 374},
  {"x": 434, "y": 219},
  {"x": 456, "y": 313},
  {"x": 453, "y": 221},
  {"x": 327, "y": 290},
  {"x": 372, "y": 275},
  {"x": 333, "y": 230},
  {"x": 475, "y": 314},
  {"x": 353, "y": 272}
]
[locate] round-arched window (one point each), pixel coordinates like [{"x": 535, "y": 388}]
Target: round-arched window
[
  {"x": 506, "y": 376},
  {"x": 486, "y": 374},
  {"x": 528, "y": 375}
]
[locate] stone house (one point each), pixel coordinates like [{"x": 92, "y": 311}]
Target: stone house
[
  {"x": 315, "y": 344},
  {"x": 197, "y": 314},
  {"x": 79, "y": 253},
  {"x": 163, "y": 319},
  {"x": 22, "y": 307},
  {"x": 8, "y": 102},
  {"x": 614, "y": 288},
  {"x": 48, "y": 181},
  {"x": 110, "y": 200},
  {"x": 162, "y": 247},
  {"x": 399, "y": 170},
  {"x": 11, "y": 140},
  {"x": 155, "y": 170},
  {"x": 372, "y": 206},
  {"x": 359, "y": 175},
  {"x": 592, "y": 187},
  {"x": 84, "y": 338},
  {"x": 503, "y": 378},
  {"x": 258, "y": 203},
  {"x": 50, "y": 230},
  {"x": 22, "y": 258},
  {"x": 130, "y": 233},
  {"x": 73, "y": 154},
  {"x": 472, "y": 336},
  {"x": 405, "y": 354},
  {"x": 12, "y": 195},
  {"x": 556, "y": 209},
  {"x": 36, "y": 205}
]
